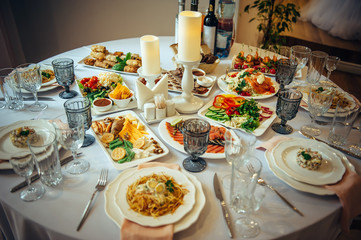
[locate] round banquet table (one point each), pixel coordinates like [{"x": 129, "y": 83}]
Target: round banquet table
[{"x": 58, "y": 213}]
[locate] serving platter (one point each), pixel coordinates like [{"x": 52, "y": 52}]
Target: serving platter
[
  {"x": 134, "y": 162},
  {"x": 180, "y": 212},
  {"x": 113, "y": 211},
  {"x": 81, "y": 62}
]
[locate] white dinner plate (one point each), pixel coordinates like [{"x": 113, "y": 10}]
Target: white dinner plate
[
  {"x": 6, "y": 146},
  {"x": 115, "y": 215},
  {"x": 180, "y": 212},
  {"x": 330, "y": 171},
  {"x": 163, "y": 132},
  {"x": 45, "y": 67},
  {"x": 223, "y": 86},
  {"x": 304, "y": 187},
  {"x": 134, "y": 162},
  {"x": 257, "y": 132}
]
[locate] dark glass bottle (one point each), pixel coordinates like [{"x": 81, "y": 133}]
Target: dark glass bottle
[
  {"x": 210, "y": 25},
  {"x": 225, "y": 36},
  {"x": 194, "y": 5}
]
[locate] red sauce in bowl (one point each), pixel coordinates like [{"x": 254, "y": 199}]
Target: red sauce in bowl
[
  {"x": 102, "y": 102},
  {"x": 197, "y": 73}
]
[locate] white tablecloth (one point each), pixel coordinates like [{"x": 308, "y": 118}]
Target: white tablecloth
[{"x": 58, "y": 213}]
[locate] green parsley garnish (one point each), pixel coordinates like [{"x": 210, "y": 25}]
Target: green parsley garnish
[
  {"x": 47, "y": 75},
  {"x": 319, "y": 90},
  {"x": 240, "y": 86},
  {"x": 24, "y": 133},
  {"x": 170, "y": 186},
  {"x": 306, "y": 156}
]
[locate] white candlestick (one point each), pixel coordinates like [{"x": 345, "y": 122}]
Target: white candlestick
[
  {"x": 149, "y": 48},
  {"x": 189, "y": 36}
]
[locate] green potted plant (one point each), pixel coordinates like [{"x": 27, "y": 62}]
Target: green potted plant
[{"x": 274, "y": 16}]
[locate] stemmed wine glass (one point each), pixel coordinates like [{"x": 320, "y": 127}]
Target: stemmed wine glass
[
  {"x": 64, "y": 74},
  {"x": 244, "y": 181},
  {"x": 80, "y": 106},
  {"x": 286, "y": 69},
  {"x": 30, "y": 78},
  {"x": 23, "y": 164},
  {"x": 319, "y": 101},
  {"x": 301, "y": 55},
  {"x": 331, "y": 64},
  {"x": 287, "y": 107},
  {"x": 71, "y": 136},
  {"x": 195, "y": 138},
  {"x": 236, "y": 147}
]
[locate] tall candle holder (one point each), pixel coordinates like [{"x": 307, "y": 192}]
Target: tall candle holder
[
  {"x": 150, "y": 78},
  {"x": 187, "y": 102}
]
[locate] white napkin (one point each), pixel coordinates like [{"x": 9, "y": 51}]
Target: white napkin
[{"x": 144, "y": 94}]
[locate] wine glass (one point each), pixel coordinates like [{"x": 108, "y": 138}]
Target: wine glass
[
  {"x": 31, "y": 80},
  {"x": 286, "y": 69},
  {"x": 64, "y": 74},
  {"x": 316, "y": 67},
  {"x": 80, "y": 106},
  {"x": 331, "y": 64},
  {"x": 244, "y": 181},
  {"x": 301, "y": 55},
  {"x": 71, "y": 137},
  {"x": 356, "y": 147},
  {"x": 287, "y": 107},
  {"x": 23, "y": 165},
  {"x": 235, "y": 148},
  {"x": 319, "y": 101},
  {"x": 195, "y": 137}
]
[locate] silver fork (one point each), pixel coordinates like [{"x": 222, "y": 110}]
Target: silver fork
[
  {"x": 102, "y": 181},
  {"x": 262, "y": 182}
]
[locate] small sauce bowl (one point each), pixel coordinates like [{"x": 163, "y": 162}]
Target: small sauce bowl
[
  {"x": 197, "y": 72},
  {"x": 122, "y": 103},
  {"x": 102, "y": 104},
  {"x": 205, "y": 81}
]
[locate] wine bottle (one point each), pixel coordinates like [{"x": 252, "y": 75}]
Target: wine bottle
[
  {"x": 181, "y": 8},
  {"x": 194, "y": 5},
  {"x": 225, "y": 36},
  {"x": 210, "y": 25}
]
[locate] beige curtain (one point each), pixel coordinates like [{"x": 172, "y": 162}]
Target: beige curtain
[{"x": 10, "y": 45}]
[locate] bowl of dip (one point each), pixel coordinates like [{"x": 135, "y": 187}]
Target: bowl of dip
[
  {"x": 197, "y": 72},
  {"x": 205, "y": 81},
  {"x": 102, "y": 104}
]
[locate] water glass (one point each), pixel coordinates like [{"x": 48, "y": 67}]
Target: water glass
[
  {"x": 46, "y": 156},
  {"x": 319, "y": 101},
  {"x": 286, "y": 69},
  {"x": 11, "y": 89},
  {"x": 80, "y": 107},
  {"x": 30, "y": 78},
  {"x": 64, "y": 74},
  {"x": 244, "y": 181},
  {"x": 331, "y": 64},
  {"x": 23, "y": 165},
  {"x": 316, "y": 66},
  {"x": 301, "y": 55},
  {"x": 287, "y": 107},
  {"x": 342, "y": 122},
  {"x": 195, "y": 138}
]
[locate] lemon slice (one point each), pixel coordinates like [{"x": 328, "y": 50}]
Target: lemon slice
[
  {"x": 118, "y": 153},
  {"x": 176, "y": 121},
  {"x": 139, "y": 143},
  {"x": 107, "y": 137}
]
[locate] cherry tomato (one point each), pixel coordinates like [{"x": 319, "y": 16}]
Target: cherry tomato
[
  {"x": 272, "y": 71},
  {"x": 255, "y": 67},
  {"x": 236, "y": 66},
  {"x": 245, "y": 66},
  {"x": 236, "y": 113},
  {"x": 263, "y": 70},
  {"x": 245, "y": 94}
]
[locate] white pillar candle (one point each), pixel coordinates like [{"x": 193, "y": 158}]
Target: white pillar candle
[
  {"x": 149, "y": 48},
  {"x": 189, "y": 36}
]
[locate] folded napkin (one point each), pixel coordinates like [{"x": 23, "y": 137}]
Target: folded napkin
[
  {"x": 348, "y": 189},
  {"x": 133, "y": 231}
]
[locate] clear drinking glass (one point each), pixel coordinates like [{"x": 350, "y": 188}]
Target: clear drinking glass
[
  {"x": 316, "y": 66},
  {"x": 195, "y": 137},
  {"x": 331, "y": 64},
  {"x": 80, "y": 106},
  {"x": 23, "y": 165},
  {"x": 244, "y": 181},
  {"x": 286, "y": 69},
  {"x": 11, "y": 88},
  {"x": 64, "y": 74},
  {"x": 30, "y": 78},
  {"x": 319, "y": 101},
  {"x": 287, "y": 107},
  {"x": 71, "y": 137},
  {"x": 301, "y": 55}
]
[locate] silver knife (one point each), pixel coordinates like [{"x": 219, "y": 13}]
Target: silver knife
[
  {"x": 32, "y": 99},
  {"x": 227, "y": 217},
  {"x": 331, "y": 145},
  {"x": 36, "y": 176}
]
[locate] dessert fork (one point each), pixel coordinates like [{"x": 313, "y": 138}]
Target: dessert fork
[
  {"x": 102, "y": 181},
  {"x": 262, "y": 182}
]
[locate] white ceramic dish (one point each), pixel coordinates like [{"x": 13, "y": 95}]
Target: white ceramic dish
[
  {"x": 155, "y": 120},
  {"x": 102, "y": 108},
  {"x": 223, "y": 86},
  {"x": 182, "y": 210},
  {"x": 330, "y": 171},
  {"x": 113, "y": 212},
  {"x": 7, "y": 148},
  {"x": 257, "y": 132},
  {"x": 163, "y": 132},
  {"x": 45, "y": 67},
  {"x": 205, "y": 81},
  {"x": 304, "y": 187},
  {"x": 134, "y": 162}
]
